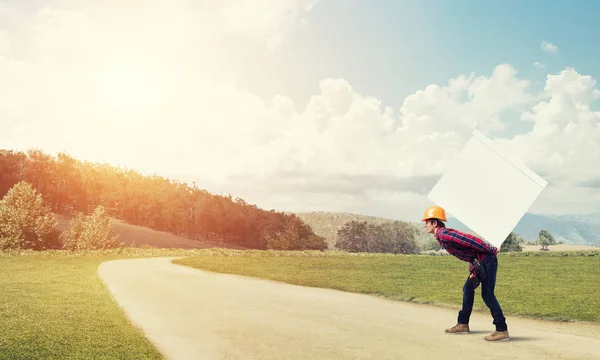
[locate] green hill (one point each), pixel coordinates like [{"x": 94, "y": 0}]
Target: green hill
[
  {"x": 326, "y": 224},
  {"x": 571, "y": 229}
]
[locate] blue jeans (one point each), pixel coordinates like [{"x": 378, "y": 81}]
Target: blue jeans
[{"x": 490, "y": 264}]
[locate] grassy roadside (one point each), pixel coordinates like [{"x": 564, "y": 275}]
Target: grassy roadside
[
  {"x": 554, "y": 286},
  {"x": 53, "y": 305}
]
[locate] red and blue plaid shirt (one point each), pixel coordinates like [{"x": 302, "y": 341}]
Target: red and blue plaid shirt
[{"x": 466, "y": 247}]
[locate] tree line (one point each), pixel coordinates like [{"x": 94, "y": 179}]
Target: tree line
[
  {"x": 399, "y": 237},
  {"x": 27, "y": 223},
  {"x": 514, "y": 242},
  {"x": 394, "y": 237},
  {"x": 71, "y": 186}
]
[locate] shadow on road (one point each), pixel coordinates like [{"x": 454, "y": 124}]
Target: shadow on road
[
  {"x": 523, "y": 338},
  {"x": 512, "y": 338}
]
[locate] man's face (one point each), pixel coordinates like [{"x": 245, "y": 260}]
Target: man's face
[{"x": 429, "y": 227}]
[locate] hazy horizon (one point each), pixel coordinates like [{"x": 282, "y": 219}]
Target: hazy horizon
[{"x": 307, "y": 105}]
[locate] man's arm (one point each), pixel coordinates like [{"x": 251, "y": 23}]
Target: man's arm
[{"x": 470, "y": 241}]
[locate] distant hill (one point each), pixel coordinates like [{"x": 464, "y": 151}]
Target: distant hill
[
  {"x": 571, "y": 229},
  {"x": 139, "y": 236},
  {"x": 326, "y": 224},
  {"x": 69, "y": 185}
]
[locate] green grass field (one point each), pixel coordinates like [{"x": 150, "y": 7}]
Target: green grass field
[
  {"x": 548, "y": 286},
  {"x": 53, "y": 305}
]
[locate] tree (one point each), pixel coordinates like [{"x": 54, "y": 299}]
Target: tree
[
  {"x": 92, "y": 232},
  {"x": 352, "y": 236},
  {"x": 512, "y": 243},
  {"x": 388, "y": 237},
  {"x": 433, "y": 244},
  {"x": 545, "y": 234},
  {"x": 69, "y": 185},
  {"x": 25, "y": 221},
  {"x": 12, "y": 167},
  {"x": 295, "y": 235},
  {"x": 544, "y": 241},
  {"x": 398, "y": 238}
]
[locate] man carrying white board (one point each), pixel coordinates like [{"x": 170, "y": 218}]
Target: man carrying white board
[{"x": 484, "y": 264}]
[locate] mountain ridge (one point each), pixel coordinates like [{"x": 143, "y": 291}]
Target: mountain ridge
[{"x": 576, "y": 229}]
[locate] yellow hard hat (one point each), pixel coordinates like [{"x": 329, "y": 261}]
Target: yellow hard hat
[{"x": 434, "y": 212}]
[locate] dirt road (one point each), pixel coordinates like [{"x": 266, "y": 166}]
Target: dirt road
[{"x": 193, "y": 314}]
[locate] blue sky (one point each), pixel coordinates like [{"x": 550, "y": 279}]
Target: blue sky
[
  {"x": 192, "y": 91},
  {"x": 390, "y": 49}
]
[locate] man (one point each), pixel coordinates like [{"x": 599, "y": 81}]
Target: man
[{"x": 470, "y": 248}]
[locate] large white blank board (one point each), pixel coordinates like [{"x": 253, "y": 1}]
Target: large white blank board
[{"x": 487, "y": 190}]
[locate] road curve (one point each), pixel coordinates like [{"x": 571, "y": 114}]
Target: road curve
[{"x": 193, "y": 314}]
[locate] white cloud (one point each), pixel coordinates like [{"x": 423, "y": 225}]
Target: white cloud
[
  {"x": 4, "y": 43},
  {"x": 564, "y": 142},
  {"x": 103, "y": 86},
  {"x": 565, "y": 138},
  {"x": 265, "y": 20},
  {"x": 539, "y": 65},
  {"x": 549, "y": 47}
]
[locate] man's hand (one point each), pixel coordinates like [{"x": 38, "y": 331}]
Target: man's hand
[{"x": 474, "y": 280}]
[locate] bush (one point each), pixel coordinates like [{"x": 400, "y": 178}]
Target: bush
[
  {"x": 295, "y": 235},
  {"x": 93, "y": 232},
  {"x": 394, "y": 237},
  {"x": 25, "y": 221},
  {"x": 512, "y": 243}
]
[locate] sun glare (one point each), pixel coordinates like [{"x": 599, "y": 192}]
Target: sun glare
[{"x": 124, "y": 89}]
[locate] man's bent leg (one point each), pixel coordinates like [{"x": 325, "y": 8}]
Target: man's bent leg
[
  {"x": 467, "y": 302},
  {"x": 487, "y": 293},
  {"x": 465, "y": 313}
]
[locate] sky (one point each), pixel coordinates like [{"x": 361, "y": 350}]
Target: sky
[{"x": 308, "y": 105}]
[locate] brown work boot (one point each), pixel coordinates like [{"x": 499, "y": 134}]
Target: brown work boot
[
  {"x": 458, "y": 329},
  {"x": 498, "y": 336}
]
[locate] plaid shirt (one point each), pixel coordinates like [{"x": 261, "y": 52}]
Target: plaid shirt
[{"x": 466, "y": 247}]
